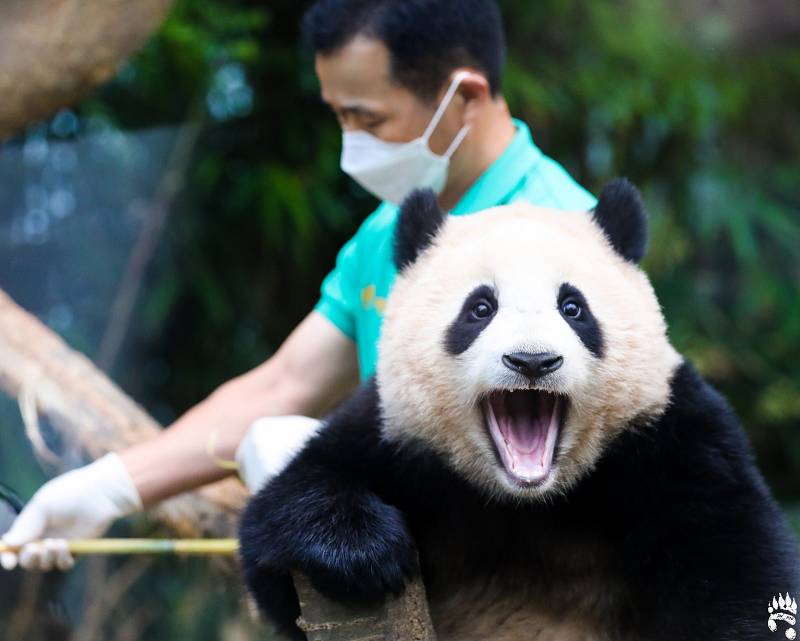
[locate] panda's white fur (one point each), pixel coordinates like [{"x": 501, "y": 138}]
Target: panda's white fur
[{"x": 525, "y": 253}]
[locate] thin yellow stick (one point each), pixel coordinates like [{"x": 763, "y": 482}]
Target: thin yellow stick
[{"x": 147, "y": 546}]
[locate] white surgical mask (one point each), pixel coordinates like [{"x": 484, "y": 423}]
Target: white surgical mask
[{"x": 390, "y": 170}]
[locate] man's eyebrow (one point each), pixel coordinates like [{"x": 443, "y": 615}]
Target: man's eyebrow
[
  {"x": 358, "y": 110},
  {"x": 353, "y": 109}
]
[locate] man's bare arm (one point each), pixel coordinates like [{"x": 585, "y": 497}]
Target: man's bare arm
[{"x": 313, "y": 370}]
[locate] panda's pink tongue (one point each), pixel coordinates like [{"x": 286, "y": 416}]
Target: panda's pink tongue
[{"x": 524, "y": 425}]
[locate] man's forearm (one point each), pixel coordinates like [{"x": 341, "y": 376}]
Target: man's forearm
[
  {"x": 178, "y": 460},
  {"x": 315, "y": 367}
]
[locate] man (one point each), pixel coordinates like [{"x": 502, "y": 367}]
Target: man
[{"x": 415, "y": 85}]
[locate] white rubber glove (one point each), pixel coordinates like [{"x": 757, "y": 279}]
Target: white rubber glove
[
  {"x": 270, "y": 443},
  {"x": 79, "y": 504}
]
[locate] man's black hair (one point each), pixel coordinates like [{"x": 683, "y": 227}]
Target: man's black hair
[{"x": 426, "y": 39}]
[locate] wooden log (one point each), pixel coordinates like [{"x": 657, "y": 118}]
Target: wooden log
[
  {"x": 402, "y": 619},
  {"x": 92, "y": 416},
  {"x": 52, "y": 52}
]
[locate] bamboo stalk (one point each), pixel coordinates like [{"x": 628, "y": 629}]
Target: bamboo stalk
[{"x": 194, "y": 547}]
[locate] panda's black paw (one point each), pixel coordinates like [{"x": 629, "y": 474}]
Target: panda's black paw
[
  {"x": 364, "y": 560},
  {"x": 351, "y": 545}
]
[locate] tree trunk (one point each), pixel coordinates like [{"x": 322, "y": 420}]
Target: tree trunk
[{"x": 52, "y": 52}]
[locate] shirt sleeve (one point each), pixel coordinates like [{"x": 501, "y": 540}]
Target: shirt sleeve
[
  {"x": 339, "y": 291},
  {"x": 554, "y": 187}
]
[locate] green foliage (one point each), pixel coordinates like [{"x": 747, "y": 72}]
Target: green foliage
[{"x": 704, "y": 124}]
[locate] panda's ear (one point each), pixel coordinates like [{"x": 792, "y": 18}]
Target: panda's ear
[
  {"x": 620, "y": 214},
  {"x": 419, "y": 220}
]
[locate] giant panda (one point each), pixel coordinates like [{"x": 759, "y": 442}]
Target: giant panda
[{"x": 534, "y": 446}]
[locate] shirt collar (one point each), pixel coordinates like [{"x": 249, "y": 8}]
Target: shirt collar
[{"x": 496, "y": 185}]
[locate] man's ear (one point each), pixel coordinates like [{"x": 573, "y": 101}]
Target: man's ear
[
  {"x": 620, "y": 214},
  {"x": 477, "y": 95},
  {"x": 419, "y": 220}
]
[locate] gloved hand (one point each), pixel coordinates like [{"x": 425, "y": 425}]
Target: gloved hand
[
  {"x": 270, "y": 443},
  {"x": 79, "y": 504}
]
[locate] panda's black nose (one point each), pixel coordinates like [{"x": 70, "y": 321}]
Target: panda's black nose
[{"x": 533, "y": 365}]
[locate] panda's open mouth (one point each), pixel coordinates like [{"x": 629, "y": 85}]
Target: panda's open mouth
[{"x": 524, "y": 425}]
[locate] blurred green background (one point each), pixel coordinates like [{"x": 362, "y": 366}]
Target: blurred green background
[{"x": 698, "y": 103}]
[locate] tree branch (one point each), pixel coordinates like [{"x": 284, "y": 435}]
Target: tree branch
[
  {"x": 52, "y": 52},
  {"x": 92, "y": 416}
]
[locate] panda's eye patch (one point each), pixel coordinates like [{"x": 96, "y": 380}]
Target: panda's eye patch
[
  {"x": 571, "y": 308},
  {"x": 476, "y": 314},
  {"x": 482, "y": 309},
  {"x": 576, "y": 312}
]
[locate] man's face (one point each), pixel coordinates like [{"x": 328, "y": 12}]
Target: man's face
[{"x": 357, "y": 84}]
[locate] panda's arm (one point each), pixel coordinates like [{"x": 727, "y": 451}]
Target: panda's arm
[
  {"x": 701, "y": 534},
  {"x": 323, "y": 517}
]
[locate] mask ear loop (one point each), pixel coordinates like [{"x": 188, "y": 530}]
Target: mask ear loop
[
  {"x": 443, "y": 105},
  {"x": 456, "y": 141}
]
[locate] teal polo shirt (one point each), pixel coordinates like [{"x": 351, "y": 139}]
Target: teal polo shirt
[{"x": 354, "y": 293}]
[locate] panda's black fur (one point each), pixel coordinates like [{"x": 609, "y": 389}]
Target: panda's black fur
[
  {"x": 683, "y": 518},
  {"x": 417, "y": 227}
]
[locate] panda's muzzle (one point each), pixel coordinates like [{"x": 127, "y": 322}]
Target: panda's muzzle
[{"x": 524, "y": 425}]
